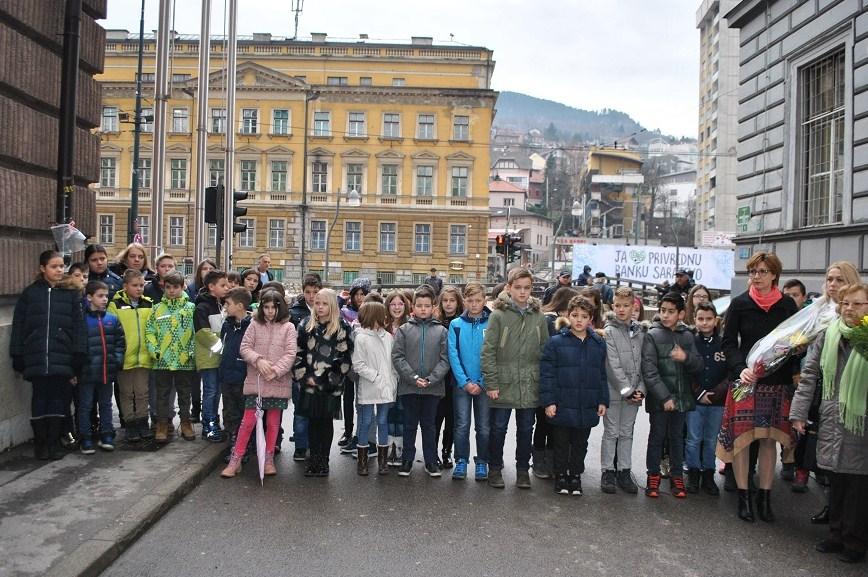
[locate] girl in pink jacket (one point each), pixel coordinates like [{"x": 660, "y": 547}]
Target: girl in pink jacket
[{"x": 268, "y": 347}]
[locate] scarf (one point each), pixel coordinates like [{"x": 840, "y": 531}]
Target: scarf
[
  {"x": 765, "y": 301},
  {"x": 853, "y": 387}
]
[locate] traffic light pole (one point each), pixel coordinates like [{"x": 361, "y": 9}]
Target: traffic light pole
[
  {"x": 506, "y": 244},
  {"x": 199, "y": 226},
  {"x": 229, "y": 169},
  {"x": 137, "y": 135}
]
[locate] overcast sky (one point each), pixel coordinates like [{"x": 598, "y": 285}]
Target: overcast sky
[{"x": 637, "y": 56}]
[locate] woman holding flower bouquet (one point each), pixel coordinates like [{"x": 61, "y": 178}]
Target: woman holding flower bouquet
[
  {"x": 763, "y": 415},
  {"x": 840, "y": 356}
]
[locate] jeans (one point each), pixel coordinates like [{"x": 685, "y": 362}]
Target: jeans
[
  {"x": 366, "y": 416},
  {"x": 102, "y": 394},
  {"x": 498, "y": 424},
  {"x": 703, "y": 426},
  {"x": 571, "y": 446},
  {"x": 463, "y": 402},
  {"x": 420, "y": 410},
  {"x": 666, "y": 425},
  {"x": 299, "y": 422},
  {"x": 618, "y": 426},
  {"x": 210, "y": 395}
]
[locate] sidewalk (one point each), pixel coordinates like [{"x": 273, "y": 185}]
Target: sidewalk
[{"x": 75, "y": 516}]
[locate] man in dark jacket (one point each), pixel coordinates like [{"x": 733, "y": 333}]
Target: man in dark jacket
[
  {"x": 434, "y": 281},
  {"x": 564, "y": 279},
  {"x": 682, "y": 284},
  {"x": 584, "y": 278}
]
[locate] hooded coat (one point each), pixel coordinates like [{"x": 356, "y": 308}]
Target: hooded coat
[
  {"x": 372, "y": 362},
  {"x": 134, "y": 319},
  {"x": 665, "y": 378}
]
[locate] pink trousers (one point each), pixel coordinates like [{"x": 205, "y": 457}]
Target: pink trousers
[{"x": 248, "y": 424}]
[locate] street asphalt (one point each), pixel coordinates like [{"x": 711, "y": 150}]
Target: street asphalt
[{"x": 382, "y": 526}]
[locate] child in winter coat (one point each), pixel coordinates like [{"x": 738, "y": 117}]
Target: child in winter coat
[
  {"x": 207, "y": 323},
  {"x": 574, "y": 391},
  {"x": 377, "y": 385},
  {"x": 233, "y": 369},
  {"x": 268, "y": 347},
  {"x": 105, "y": 357},
  {"x": 450, "y": 305},
  {"x": 134, "y": 309},
  {"x": 350, "y": 314}
]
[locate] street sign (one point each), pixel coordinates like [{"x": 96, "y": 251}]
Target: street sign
[{"x": 743, "y": 218}]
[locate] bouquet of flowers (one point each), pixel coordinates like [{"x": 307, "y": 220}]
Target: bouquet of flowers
[
  {"x": 789, "y": 339},
  {"x": 859, "y": 340}
]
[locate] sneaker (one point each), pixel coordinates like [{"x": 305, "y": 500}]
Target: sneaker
[
  {"x": 562, "y": 485},
  {"x": 676, "y": 487},
  {"x": 345, "y": 440},
  {"x": 405, "y": 468},
  {"x": 433, "y": 470},
  {"x": 350, "y": 447},
  {"x": 626, "y": 482},
  {"x": 393, "y": 459},
  {"x": 215, "y": 434},
  {"x": 446, "y": 460},
  {"x": 495, "y": 479},
  {"x": 481, "y": 471},
  {"x": 107, "y": 442},
  {"x": 608, "y": 482},
  {"x": 800, "y": 481},
  {"x": 86, "y": 446},
  {"x": 522, "y": 479},
  {"x": 788, "y": 472},
  {"x": 460, "y": 472},
  {"x": 299, "y": 455},
  {"x": 652, "y": 487},
  {"x": 576, "y": 485}
]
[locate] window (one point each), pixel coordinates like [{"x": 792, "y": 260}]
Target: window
[
  {"x": 399, "y": 82},
  {"x": 350, "y": 276},
  {"x": 144, "y": 172},
  {"x": 424, "y": 181},
  {"x": 249, "y": 121},
  {"x": 176, "y": 230},
  {"x": 352, "y": 235},
  {"x": 422, "y": 239},
  {"x": 456, "y": 279},
  {"x": 365, "y": 81},
  {"x": 218, "y": 121},
  {"x": 181, "y": 77},
  {"x": 280, "y": 122},
  {"x": 391, "y": 125},
  {"x": 508, "y": 202},
  {"x": 179, "y": 173},
  {"x": 109, "y": 119},
  {"x": 322, "y": 124},
  {"x": 457, "y": 239},
  {"x": 461, "y": 128},
  {"x": 390, "y": 179},
  {"x": 355, "y": 174},
  {"x": 425, "y": 129},
  {"x": 180, "y": 120},
  {"x": 320, "y": 173},
  {"x": 384, "y": 277},
  {"x": 336, "y": 81},
  {"x": 357, "y": 124},
  {"x": 278, "y": 175},
  {"x": 317, "y": 235},
  {"x": 459, "y": 181},
  {"x": 216, "y": 170},
  {"x": 388, "y": 232},
  {"x": 247, "y": 239},
  {"x": 108, "y": 172},
  {"x": 145, "y": 228},
  {"x": 419, "y": 278},
  {"x": 248, "y": 175},
  {"x": 212, "y": 235},
  {"x": 276, "y": 233},
  {"x": 821, "y": 140},
  {"x": 106, "y": 229},
  {"x": 147, "y": 120}
]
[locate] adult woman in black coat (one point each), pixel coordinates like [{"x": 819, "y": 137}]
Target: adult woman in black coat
[{"x": 47, "y": 345}]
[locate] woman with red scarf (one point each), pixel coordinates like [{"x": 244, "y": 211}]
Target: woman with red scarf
[{"x": 763, "y": 416}]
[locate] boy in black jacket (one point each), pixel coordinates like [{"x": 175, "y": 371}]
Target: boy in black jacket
[{"x": 233, "y": 369}]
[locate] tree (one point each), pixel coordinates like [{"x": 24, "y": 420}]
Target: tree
[{"x": 551, "y": 134}]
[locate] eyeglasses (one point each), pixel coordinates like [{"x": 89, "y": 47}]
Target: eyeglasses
[
  {"x": 855, "y": 305},
  {"x": 758, "y": 272}
]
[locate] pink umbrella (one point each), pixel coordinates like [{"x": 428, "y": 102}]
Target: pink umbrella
[{"x": 260, "y": 434}]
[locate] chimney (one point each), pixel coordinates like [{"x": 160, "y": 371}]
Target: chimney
[
  {"x": 318, "y": 37},
  {"x": 363, "y": 36},
  {"x": 422, "y": 40}
]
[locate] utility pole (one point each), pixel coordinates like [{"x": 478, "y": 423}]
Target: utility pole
[
  {"x": 161, "y": 96},
  {"x": 199, "y": 227},
  {"x": 229, "y": 179},
  {"x": 137, "y": 136}
]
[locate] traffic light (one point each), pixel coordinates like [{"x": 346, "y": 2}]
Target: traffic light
[
  {"x": 238, "y": 196},
  {"x": 500, "y": 244},
  {"x": 213, "y": 199},
  {"x": 513, "y": 247}
]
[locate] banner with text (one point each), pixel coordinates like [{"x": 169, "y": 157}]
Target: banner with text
[{"x": 713, "y": 268}]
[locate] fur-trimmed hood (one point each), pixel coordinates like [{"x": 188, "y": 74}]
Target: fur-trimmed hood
[{"x": 504, "y": 301}]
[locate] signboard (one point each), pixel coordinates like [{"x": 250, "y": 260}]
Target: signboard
[
  {"x": 742, "y": 218},
  {"x": 654, "y": 264},
  {"x": 717, "y": 238}
]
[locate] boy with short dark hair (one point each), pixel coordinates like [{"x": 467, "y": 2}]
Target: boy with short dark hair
[
  {"x": 419, "y": 355},
  {"x": 669, "y": 364},
  {"x": 164, "y": 264},
  {"x": 233, "y": 369},
  {"x": 207, "y": 323}
]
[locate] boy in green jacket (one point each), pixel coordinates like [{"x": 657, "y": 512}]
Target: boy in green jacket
[
  {"x": 511, "y": 351},
  {"x": 169, "y": 335}
]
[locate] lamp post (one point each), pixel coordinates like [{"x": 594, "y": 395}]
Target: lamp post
[
  {"x": 354, "y": 199},
  {"x": 309, "y": 95}
]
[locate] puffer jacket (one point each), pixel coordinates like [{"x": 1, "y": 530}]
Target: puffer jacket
[
  {"x": 372, "y": 362},
  {"x": 624, "y": 357},
  {"x": 134, "y": 319},
  {"x": 113, "y": 281},
  {"x": 276, "y": 343},
  {"x": 573, "y": 378},
  {"x": 233, "y": 369},
  {"x": 208, "y": 316},
  {"x": 105, "y": 348},
  {"x": 420, "y": 349},
  {"x": 465, "y": 348},
  {"x": 665, "y": 378},
  {"x": 49, "y": 337},
  {"x": 511, "y": 351},
  {"x": 838, "y": 450},
  {"x": 169, "y": 335}
]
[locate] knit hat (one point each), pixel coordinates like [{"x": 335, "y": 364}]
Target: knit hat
[{"x": 360, "y": 284}]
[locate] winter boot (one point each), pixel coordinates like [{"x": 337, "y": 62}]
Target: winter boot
[
  {"x": 162, "y": 434},
  {"x": 764, "y": 506},
  {"x": 40, "y": 444},
  {"x": 53, "y": 432},
  {"x": 133, "y": 431},
  {"x": 382, "y": 460},
  {"x": 540, "y": 467},
  {"x": 692, "y": 481},
  {"x": 312, "y": 466},
  {"x": 745, "y": 506},
  {"x": 234, "y": 466},
  {"x": 187, "y": 430},
  {"x": 269, "y": 469},
  {"x": 708, "y": 484},
  {"x": 729, "y": 484},
  {"x": 626, "y": 482},
  {"x": 608, "y": 482},
  {"x": 362, "y": 464}
]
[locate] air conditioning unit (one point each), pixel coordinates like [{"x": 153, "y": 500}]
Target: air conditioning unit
[{"x": 616, "y": 230}]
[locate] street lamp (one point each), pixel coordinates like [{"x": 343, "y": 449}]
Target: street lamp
[
  {"x": 354, "y": 199},
  {"x": 309, "y": 95}
]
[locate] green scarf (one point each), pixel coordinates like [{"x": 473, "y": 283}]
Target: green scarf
[{"x": 853, "y": 389}]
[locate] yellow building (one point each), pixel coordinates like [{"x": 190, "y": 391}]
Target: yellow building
[
  {"x": 611, "y": 180},
  {"x": 405, "y": 125}
]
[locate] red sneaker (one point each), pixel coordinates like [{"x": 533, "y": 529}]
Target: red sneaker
[
  {"x": 676, "y": 487},
  {"x": 652, "y": 488}
]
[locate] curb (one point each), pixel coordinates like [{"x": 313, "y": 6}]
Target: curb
[{"x": 95, "y": 555}]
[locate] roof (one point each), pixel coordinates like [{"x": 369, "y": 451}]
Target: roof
[
  {"x": 523, "y": 162},
  {"x": 499, "y": 185}
]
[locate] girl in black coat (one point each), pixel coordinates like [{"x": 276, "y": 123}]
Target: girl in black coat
[{"x": 47, "y": 345}]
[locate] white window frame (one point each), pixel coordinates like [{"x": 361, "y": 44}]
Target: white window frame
[
  {"x": 457, "y": 231},
  {"x": 147, "y": 127},
  {"x": 110, "y": 119},
  {"x": 461, "y": 127},
  {"x": 361, "y": 184},
  {"x": 282, "y": 183},
  {"x": 357, "y": 124},
  {"x": 466, "y": 179},
  {"x": 180, "y": 120},
  {"x": 216, "y": 174},
  {"x": 247, "y": 239},
  {"x": 211, "y": 239},
  {"x": 276, "y": 233},
  {"x": 249, "y": 121},
  {"x": 108, "y": 172},
  {"x": 281, "y": 126},
  {"x": 387, "y": 123},
  {"x": 322, "y": 126},
  {"x": 145, "y": 172},
  {"x": 419, "y": 124},
  {"x": 218, "y": 120},
  {"x": 145, "y": 228},
  {"x": 176, "y": 224},
  {"x": 178, "y": 170},
  {"x": 244, "y": 173},
  {"x": 391, "y": 180},
  {"x": 319, "y": 180},
  {"x": 318, "y": 234},
  {"x": 106, "y": 228},
  {"x": 418, "y": 191},
  {"x": 353, "y": 238},
  {"x": 394, "y": 236},
  {"x": 417, "y": 235}
]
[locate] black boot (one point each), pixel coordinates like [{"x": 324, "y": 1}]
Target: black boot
[
  {"x": 133, "y": 429},
  {"x": 729, "y": 483},
  {"x": 821, "y": 518},
  {"x": 40, "y": 434},
  {"x": 764, "y": 506},
  {"x": 708, "y": 484},
  {"x": 692, "y": 481},
  {"x": 312, "y": 466},
  {"x": 55, "y": 429},
  {"x": 745, "y": 507}
]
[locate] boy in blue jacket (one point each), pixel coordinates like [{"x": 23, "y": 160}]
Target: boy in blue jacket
[
  {"x": 464, "y": 343},
  {"x": 233, "y": 369},
  {"x": 574, "y": 391}
]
